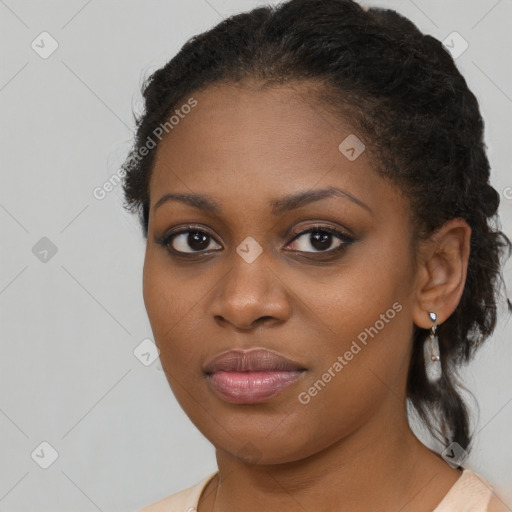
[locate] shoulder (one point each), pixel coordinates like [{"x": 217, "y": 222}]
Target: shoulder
[
  {"x": 493, "y": 502},
  {"x": 471, "y": 493},
  {"x": 497, "y": 505},
  {"x": 185, "y": 500}
]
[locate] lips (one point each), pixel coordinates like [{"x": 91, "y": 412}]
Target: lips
[
  {"x": 252, "y": 376},
  {"x": 255, "y": 360}
]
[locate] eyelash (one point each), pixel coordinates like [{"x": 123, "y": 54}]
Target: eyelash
[{"x": 166, "y": 239}]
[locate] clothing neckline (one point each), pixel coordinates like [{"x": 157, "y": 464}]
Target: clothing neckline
[{"x": 467, "y": 477}]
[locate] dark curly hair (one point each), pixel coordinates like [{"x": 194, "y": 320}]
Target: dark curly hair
[{"x": 421, "y": 125}]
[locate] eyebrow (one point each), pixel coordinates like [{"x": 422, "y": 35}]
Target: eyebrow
[{"x": 278, "y": 206}]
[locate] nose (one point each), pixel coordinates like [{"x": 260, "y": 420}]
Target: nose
[{"x": 251, "y": 294}]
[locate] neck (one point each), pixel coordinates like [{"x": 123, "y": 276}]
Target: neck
[{"x": 380, "y": 466}]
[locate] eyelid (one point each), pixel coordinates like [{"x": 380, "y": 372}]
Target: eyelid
[{"x": 320, "y": 227}]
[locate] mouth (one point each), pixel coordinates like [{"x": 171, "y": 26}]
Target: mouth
[{"x": 246, "y": 377}]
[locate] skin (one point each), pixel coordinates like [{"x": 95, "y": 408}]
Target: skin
[{"x": 350, "y": 448}]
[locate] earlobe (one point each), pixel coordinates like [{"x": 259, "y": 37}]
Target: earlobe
[{"x": 444, "y": 261}]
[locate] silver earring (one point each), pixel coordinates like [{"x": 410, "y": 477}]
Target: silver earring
[{"x": 431, "y": 353}]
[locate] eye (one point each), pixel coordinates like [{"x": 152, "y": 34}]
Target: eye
[
  {"x": 322, "y": 238},
  {"x": 192, "y": 240},
  {"x": 181, "y": 242}
]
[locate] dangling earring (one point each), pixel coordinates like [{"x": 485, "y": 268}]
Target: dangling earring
[{"x": 431, "y": 353}]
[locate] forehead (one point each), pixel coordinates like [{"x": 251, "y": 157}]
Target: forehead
[
  {"x": 242, "y": 142},
  {"x": 232, "y": 119}
]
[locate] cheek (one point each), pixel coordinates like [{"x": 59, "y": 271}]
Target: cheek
[
  {"x": 357, "y": 370},
  {"x": 173, "y": 311},
  {"x": 364, "y": 315},
  {"x": 362, "y": 289}
]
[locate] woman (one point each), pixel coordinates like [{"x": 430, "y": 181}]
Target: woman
[{"x": 314, "y": 189}]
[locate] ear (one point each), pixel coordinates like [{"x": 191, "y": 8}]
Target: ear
[{"x": 441, "y": 272}]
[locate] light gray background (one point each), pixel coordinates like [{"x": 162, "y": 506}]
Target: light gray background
[{"x": 70, "y": 325}]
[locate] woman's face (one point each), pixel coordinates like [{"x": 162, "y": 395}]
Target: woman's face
[{"x": 326, "y": 282}]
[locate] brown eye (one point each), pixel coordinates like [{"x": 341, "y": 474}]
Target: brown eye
[
  {"x": 321, "y": 239},
  {"x": 190, "y": 242}
]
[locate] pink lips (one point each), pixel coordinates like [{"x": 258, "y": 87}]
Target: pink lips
[{"x": 245, "y": 377}]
